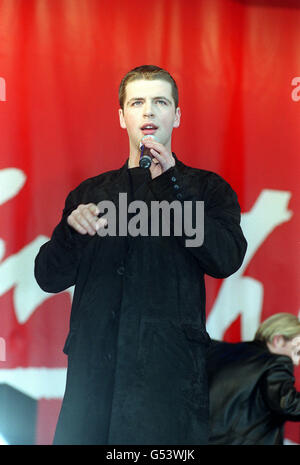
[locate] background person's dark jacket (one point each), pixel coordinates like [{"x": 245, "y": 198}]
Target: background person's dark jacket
[
  {"x": 137, "y": 341},
  {"x": 252, "y": 394}
]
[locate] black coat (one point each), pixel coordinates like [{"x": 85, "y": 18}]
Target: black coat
[
  {"x": 252, "y": 394},
  {"x": 137, "y": 340}
]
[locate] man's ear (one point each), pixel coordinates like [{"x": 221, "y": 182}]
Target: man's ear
[
  {"x": 177, "y": 118},
  {"x": 278, "y": 341},
  {"x": 122, "y": 120}
]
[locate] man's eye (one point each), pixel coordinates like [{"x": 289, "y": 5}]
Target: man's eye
[
  {"x": 162, "y": 102},
  {"x": 136, "y": 103}
]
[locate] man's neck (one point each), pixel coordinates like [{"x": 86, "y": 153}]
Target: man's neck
[{"x": 134, "y": 160}]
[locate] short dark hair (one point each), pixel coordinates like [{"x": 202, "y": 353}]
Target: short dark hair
[{"x": 148, "y": 72}]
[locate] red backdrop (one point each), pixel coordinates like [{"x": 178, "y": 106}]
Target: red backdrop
[{"x": 236, "y": 64}]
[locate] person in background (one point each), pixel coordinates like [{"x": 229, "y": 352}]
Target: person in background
[{"x": 252, "y": 386}]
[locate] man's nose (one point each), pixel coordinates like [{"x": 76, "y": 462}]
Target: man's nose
[{"x": 148, "y": 109}]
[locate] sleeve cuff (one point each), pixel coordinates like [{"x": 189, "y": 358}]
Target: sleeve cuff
[{"x": 169, "y": 185}]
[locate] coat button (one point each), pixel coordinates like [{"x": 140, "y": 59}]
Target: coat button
[
  {"x": 108, "y": 357},
  {"x": 179, "y": 196},
  {"x": 176, "y": 186},
  {"x": 121, "y": 270},
  {"x": 173, "y": 178}
]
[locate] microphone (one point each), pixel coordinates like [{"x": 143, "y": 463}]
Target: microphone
[{"x": 146, "y": 155}]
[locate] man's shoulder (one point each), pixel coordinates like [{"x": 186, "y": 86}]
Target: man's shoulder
[
  {"x": 252, "y": 350},
  {"x": 240, "y": 350},
  {"x": 207, "y": 176},
  {"x": 192, "y": 171},
  {"x": 88, "y": 191},
  {"x": 281, "y": 361},
  {"x": 99, "y": 179},
  {"x": 254, "y": 357}
]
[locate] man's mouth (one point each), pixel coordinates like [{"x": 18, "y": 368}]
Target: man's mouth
[{"x": 148, "y": 129}]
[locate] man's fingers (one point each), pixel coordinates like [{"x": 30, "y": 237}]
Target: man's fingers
[
  {"x": 101, "y": 222},
  {"x": 75, "y": 225},
  {"x": 93, "y": 209},
  {"x": 157, "y": 155},
  {"x": 84, "y": 219},
  {"x": 160, "y": 153},
  {"x": 88, "y": 218},
  {"x": 80, "y": 224}
]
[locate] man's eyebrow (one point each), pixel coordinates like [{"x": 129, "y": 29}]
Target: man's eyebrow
[
  {"x": 134, "y": 98},
  {"x": 162, "y": 98},
  {"x": 143, "y": 98}
]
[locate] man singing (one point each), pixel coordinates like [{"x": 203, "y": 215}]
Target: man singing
[{"x": 137, "y": 341}]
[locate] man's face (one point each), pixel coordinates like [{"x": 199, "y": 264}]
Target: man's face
[
  {"x": 149, "y": 109},
  {"x": 290, "y": 347},
  {"x": 294, "y": 349}
]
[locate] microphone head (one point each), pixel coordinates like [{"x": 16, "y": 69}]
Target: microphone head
[
  {"x": 145, "y": 162},
  {"x": 144, "y": 137}
]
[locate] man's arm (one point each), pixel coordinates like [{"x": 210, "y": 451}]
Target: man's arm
[
  {"x": 57, "y": 262},
  {"x": 279, "y": 392},
  {"x": 224, "y": 245}
]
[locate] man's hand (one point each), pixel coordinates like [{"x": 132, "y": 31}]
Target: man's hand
[
  {"x": 163, "y": 158},
  {"x": 85, "y": 219}
]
